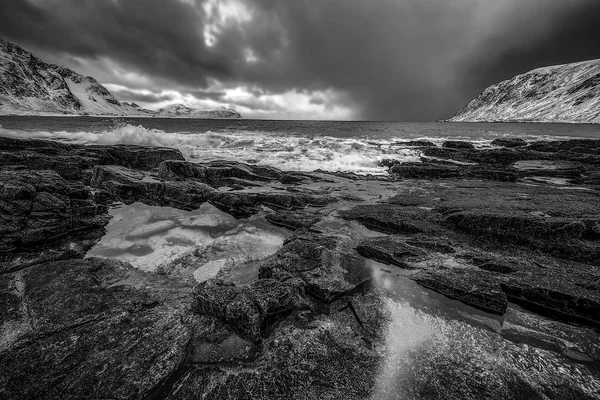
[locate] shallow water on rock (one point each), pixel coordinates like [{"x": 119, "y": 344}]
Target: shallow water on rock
[
  {"x": 437, "y": 347},
  {"x": 151, "y": 238}
]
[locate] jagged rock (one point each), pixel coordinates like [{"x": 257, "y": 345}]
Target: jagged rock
[
  {"x": 72, "y": 161},
  {"x": 392, "y": 219},
  {"x": 415, "y": 143},
  {"x": 473, "y": 288},
  {"x": 509, "y": 142},
  {"x": 389, "y": 249},
  {"x": 38, "y": 207},
  {"x": 292, "y": 220},
  {"x": 515, "y": 226},
  {"x": 556, "y": 292},
  {"x": 130, "y": 186},
  {"x": 245, "y": 308},
  {"x": 436, "y": 170},
  {"x": 457, "y": 144},
  {"x": 223, "y": 173},
  {"x": 327, "y": 265}
]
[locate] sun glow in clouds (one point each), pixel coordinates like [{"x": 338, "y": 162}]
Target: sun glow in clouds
[{"x": 221, "y": 14}]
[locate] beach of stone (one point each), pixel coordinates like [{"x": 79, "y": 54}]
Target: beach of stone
[{"x": 128, "y": 272}]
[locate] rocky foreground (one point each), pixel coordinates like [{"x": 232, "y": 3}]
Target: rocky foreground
[{"x": 514, "y": 223}]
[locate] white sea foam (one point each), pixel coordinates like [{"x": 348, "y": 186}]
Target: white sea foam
[{"x": 291, "y": 153}]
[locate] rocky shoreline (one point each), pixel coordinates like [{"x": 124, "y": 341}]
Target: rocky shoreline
[{"x": 515, "y": 223}]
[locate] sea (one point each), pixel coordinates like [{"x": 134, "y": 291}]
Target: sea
[{"x": 356, "y": 146}]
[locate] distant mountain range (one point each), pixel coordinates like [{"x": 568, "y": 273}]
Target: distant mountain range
[
  {"x": 182, "y": 111},
  {"x": 29, "y": 86},
  {"x": 563, "y": 93}
]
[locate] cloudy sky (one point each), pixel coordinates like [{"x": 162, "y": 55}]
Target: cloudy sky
[{"x": 408, "y": 60}]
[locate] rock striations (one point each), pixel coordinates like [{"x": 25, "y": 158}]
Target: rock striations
[
  {"x": 29, "y": 86},
  {"x": 566, "y": 93}
]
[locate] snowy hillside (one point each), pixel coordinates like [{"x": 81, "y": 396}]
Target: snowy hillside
[
  {"x": 182, "y": 111},
  {"x": 29, "y": 86},
  {"x": 564, "y": 93}
]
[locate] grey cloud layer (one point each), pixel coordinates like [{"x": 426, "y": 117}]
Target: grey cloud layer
[{"x": 391, "y": 59}]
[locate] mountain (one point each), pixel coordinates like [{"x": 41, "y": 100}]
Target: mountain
[
  {"x": 564, "y": 93},
  {"x": 29, "y": 86},
  {"x": 183, "y": 111}
]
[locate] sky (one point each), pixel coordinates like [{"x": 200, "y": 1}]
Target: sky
[{"x": 402, "y": 60}]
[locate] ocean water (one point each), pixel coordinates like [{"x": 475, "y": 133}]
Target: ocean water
[{"x": 289, "y": 145}]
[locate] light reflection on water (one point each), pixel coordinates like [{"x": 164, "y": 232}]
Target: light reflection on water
[
  {"x": 152, "y": 237},
  {"x": 436, "y": 347},
  {"x": 429, "y": 356}
]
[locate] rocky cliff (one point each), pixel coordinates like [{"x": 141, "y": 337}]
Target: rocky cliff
[
  {"x": 565, "y": 93},
  {"x": 29, "y": 86}
]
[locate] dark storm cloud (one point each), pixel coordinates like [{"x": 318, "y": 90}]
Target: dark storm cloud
[
  {"x": 154, "y": 36},
  {"x": 389, "y": 59},
  {"x": 575, "y": 36}
]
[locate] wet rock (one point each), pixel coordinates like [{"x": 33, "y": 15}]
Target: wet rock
[
  {"x": 556, "y": 293},
  {"x": 424, "y": 171},
  {"x": 437, "y": 170},
  {"x": 244, "y": 308},
  {"x": 76, "y": 321},
  {"x": 130, "y": 186},
  {"x": 391, "y": 219},
  {"x": 388, "y": 162},
  {"x": 515, "y": 226},
  {"x": 324, "y": 265},
  {"x": 389, "y": 250},
  {"x": 215, "y": 342},
  {"x": 415, "y": 143},
  {"x": 39, "y": 207},
  {"x": 564, "y": 145},
  {"x": 457, "y": 144},
  {"x": 566, "y": 169},
  {"x": 244, "y": 204},
  {"x": 293, "y": 220},
  {"x": 223, "y": 173},
  {"x": 71, "y": 161},
  {"x": 409, "y": 200},
  {"x": 473, "y": 288},
  {"x": 509, "y": 142}
]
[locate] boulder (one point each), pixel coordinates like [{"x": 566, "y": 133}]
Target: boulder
[
  {"x": 457, "y": 144},
  {"x": 509, "y": 142}
]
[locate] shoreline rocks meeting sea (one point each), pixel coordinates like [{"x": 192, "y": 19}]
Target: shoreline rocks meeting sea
[{"x": 472, "y": 273}]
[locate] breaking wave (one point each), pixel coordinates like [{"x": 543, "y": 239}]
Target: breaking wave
[{"x": 292, "y": 153}]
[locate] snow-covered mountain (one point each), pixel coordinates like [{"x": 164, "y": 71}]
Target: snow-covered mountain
[
  {"x": 183, "y": 111},
  {"x": 29, "y": 86},
  {"x": 563, "y": 93}
]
